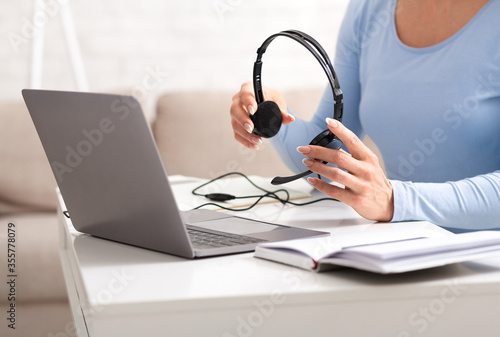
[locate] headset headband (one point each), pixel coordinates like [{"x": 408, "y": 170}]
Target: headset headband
[{"x": 318, "y": 52}]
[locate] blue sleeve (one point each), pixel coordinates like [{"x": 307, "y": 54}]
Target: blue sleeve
[
  {"x": 301, "y": 132},
  {"x": 462, "y": 204},
  {"x": 472, "y": 203}
]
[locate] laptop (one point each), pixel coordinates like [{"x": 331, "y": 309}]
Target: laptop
[{"x": 113, "y": 182}]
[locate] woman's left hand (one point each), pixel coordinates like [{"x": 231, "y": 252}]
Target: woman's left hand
[{"x": 367, "y": 190}]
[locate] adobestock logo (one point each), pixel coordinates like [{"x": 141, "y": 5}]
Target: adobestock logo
[
  {"x": 256, "y": 318},
  {"x": 74, "y": 156},
  {"x": 425, "y": 148},
  {"x": 223, "y": 6},
  {"x": 454, "y": 118},
  {"x": 263, "y": 310},
  {"x": 30, "y": 28},
  {"x": 375, "y": 26},
  {"x": 93, "y": 138},
  {"x": 118, "y": 283},
  {"x": 423, "y": 318}
]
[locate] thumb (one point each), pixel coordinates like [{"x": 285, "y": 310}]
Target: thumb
[
  {"x": 287, "y": 116},
  {"x": 280, "y": 100}
]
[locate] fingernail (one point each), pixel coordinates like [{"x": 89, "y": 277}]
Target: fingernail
[
  {"x": 312, "y": 181},
  {"x": 332, "y": 122},
  {"x": 304, "y": 149},
  {"x": 292, "y": 117},
  {"x": 307, "y": 162},
  {"x": 251, "y": 109},
  {"x": 254, "y": 147},
  {"x": 256, "y": 140},
  {"x": 248, "y": 127}
]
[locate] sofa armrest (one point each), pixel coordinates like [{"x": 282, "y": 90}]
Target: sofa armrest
[{"x": 26, "y": 182}]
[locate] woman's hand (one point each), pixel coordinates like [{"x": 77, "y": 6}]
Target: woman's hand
[
  {"x": 367, "y": 190},
  {"x": 244, "y": 104}
]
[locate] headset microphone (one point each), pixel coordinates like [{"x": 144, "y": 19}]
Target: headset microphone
[
  {"x": 284, "y": 180},
  {"x": 326, "y": 139},
  {"x": 268, "y": 119}
]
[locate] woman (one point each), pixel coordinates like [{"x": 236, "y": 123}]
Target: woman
[{"x": 422, "y": 78}]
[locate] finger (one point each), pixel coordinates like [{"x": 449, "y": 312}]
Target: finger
[
  {"x": 247, "y": 86},
  {"x": 287, "y": 117},
  {"x": 351, "y": 141},
  {"x": 242, "y": 132},
  {"x": 340, "y": 158},
  {"x": 240, "y": 115},
  {"x": 247, "y": 98},
  {"x": 336, "y": 192},
  {"x": 279, "y": 99},
  {"x": 334, "y": 174},
  {"x": 246, "y": 142}
]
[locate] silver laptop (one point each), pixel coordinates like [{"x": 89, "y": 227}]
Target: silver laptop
[{"x": 114, "y": 184}]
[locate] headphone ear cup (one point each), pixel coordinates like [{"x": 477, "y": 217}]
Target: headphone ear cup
[
  {"x": 327, "y": 139},
  {"x": 267, "y": 119}
]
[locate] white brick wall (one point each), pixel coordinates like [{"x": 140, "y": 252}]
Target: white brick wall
[{"x": 201, "y": 44}]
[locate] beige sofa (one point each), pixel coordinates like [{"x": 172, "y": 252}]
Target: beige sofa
[{"x": 194, "y": 136}]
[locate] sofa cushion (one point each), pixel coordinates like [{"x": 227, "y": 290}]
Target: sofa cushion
[
  {"x": 195, "y": 138},
  {"x": 26, "y": 182}
]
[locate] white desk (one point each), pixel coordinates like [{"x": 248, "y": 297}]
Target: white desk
[{"x": 119, "y": 290}]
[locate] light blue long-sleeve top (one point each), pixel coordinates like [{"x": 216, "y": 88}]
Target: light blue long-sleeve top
[{"x": 433, "y": 112}]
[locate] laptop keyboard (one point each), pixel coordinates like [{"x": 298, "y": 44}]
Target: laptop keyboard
[{"x": 202, "y": 239}]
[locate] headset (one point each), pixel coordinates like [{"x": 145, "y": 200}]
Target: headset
[{"x": 267, "y": 119}]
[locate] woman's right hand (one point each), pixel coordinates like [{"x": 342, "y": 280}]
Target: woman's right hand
[{"x": 244, "y": 104}]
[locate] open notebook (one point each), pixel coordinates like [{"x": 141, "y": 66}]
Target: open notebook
[{"x": 385, "y": 253}]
